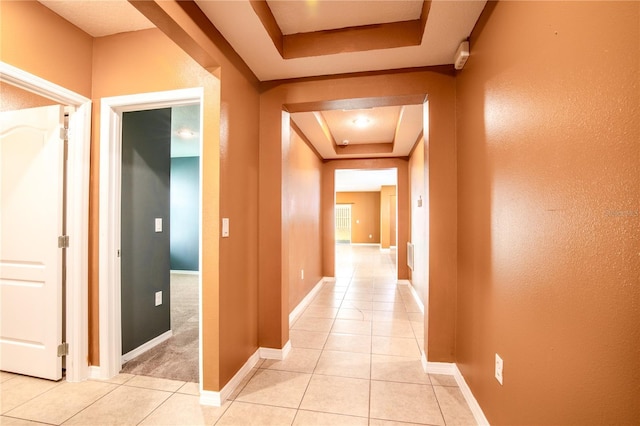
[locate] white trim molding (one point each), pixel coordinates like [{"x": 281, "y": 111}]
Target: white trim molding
[
  {"x": 77, "y": 299},
  {"x": 216, "y": 399},
  {"x": 146, "y": 346},
  {"x": 297, "y": 311},
  {"x": 414, "y": 293},
  {"x": 451, "y": 369},
  {"x": 109, "y": 215},
  {"x": 277, "y": 354}
]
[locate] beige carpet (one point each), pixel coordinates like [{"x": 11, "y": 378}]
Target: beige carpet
[{"x": 177, "y": 357}]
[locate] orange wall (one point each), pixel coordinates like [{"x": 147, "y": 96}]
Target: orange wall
[
  {"x": 549, "y": 227},
  {"x": 35, "y": 39},
  {"x": 302, "y": 218},
  {"x": 387, "y": 216},
  {"x": 419, "y": 221},
  {"x": 365, "y": 215},
  {"x": 13, "y": 98}
]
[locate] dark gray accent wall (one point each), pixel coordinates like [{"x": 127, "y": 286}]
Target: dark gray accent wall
[
  {"x": 185, "y": 208},
  {"x": 146, "y": 171}
]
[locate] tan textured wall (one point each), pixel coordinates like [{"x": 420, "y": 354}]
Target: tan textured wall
[
  {"x": 419, "y": 221},
  {"x": 36, "y": 40},
  {"x": 549, "y": 222},
  {"x": 302, "y": 219},
  {"x": 365, "y": 215},
  {"x": 13, "y": 98},
  {"x": 388, "y": 216}
]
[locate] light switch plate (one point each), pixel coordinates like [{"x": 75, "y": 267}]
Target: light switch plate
[
  {"x": 158, "y": 224},
  {"x": 225, "y": 227},
  {"x": 158, "y": 298}
]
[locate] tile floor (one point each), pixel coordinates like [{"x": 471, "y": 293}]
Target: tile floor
[{"x": 355, "y": 360}]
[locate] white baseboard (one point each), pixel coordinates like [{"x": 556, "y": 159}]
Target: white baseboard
[
  {"x": 305, "y": 302},
  {"x": 216, "y": 399},
  {"x": 146, "y": 346},
  {"x": 278, "y": 354},
  {"x": 414, "y": 293},
  {"x": 94, "y": 372},
  {"x": 451, "y": 369},
  {"x": 181, "y": 272}
]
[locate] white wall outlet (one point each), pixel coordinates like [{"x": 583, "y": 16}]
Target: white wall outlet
[
  {"x": 302, "y": 274},
  {"x": 158, "y": 298},
  {"x": 225, "y": 227},
  {"x": 158, "y": 224},
  {"x": 499, "y": 367}
]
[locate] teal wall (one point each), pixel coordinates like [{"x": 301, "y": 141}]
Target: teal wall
[{"x": 185, "y": 207}]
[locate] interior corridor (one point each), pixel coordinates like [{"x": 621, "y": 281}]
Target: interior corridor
[{"x": 355, "y": 360}]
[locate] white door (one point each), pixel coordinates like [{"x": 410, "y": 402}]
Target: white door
[{"x": 31, "y": 219}]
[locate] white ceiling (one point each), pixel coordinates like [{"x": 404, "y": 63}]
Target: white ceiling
[{"x": 392, "y": 131}]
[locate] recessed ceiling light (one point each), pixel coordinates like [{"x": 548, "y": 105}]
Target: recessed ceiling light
[
  {"x": 361, "y": 121},
  {"x": 345, "y": 142},
  {"x": 185, "y": 133}
]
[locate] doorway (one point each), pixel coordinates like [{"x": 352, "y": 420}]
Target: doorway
[
  {"x": 160, "y": 188},
  {"x": 112, "y": 110}
]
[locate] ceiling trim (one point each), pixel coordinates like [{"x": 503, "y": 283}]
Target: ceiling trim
[
  {"x": 364, "y": 148},
  {"x": 343, "y": 40},
  {"x": 356, "y": 103}
]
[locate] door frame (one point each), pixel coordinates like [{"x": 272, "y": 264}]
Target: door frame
[
  {"x": 77, "y": 266},
  {"x": 111, "y": 110}
]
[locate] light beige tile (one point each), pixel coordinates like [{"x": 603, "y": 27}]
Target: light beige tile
[
  {"x": 234, "y": 393},
  {"x": 155, "y": 383},
  {"x": 443, "y": 380},
  {"x": 272, "y": 387},
  {"x": 394, "y": 328},
  {"x": 393, "y": 297},
  {"x": 404, "y": 402},
  {"x": 313, "y": 324},
  {"x": 190, "y": 388},
  {"x": 21, "y": 389},
  {"x": 4, "y": 376},
  {"x": 412, "y": 306},
  {"x": 319, "y": 312},
  {"x": 416, "y": 317},
  {"x": 349, "y": 343},
  {"x": 358, "y": 294},
  {"x": 120, "y": 379},
  {"x": 453, "y": 406},
  {"x": 326, "y": 301},
  {"x": 181, "y": 409},
  {"x": 378, "y": 422},
  {"x": 397, "y": 346},
  {"x": 241, "y": 414},
  {"x": 387, "y": 306},
  {"x": 124, "y": 406},
  {"x": 17, "y": 422},
  {"x": 389, "y": 316},
  {"x": 354, "y": 314},
  {"x": 313, "y": 418},
  {"x": 344, "y": 364},
  {"x": 398, "y": 369},
  {"x": 299, "y": 359},
  {"x": 307, "y": 339},
  {"x": 339, "y": 395},
  {"x": 357, "y": 304},
  {"x": 351, "y": 327},
  {"x": 62, "y": 402}
]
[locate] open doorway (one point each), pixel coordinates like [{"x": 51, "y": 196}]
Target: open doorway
[
  {"x": 164, "y": 341},
  {"x": 369, "y": 196},
  {"x": 112, "y": 110}
]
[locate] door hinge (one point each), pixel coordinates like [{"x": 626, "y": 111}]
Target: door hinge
[
  {"x": 63, "y": 241},
  {"x": 64, "y": 134},
  {"x": 63, "y": 349}
]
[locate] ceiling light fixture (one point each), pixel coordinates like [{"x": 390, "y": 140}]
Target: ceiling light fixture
[
  {"x": 361, "y": 121},
  {"x": 345, "y": 142},
  {"x": 185, "y": 133}
]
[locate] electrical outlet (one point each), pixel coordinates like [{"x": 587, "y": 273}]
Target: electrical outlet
[
  {"x": 302, "y": 274},
  {"x": 158, "y": 298},
  {"x": 499, "y": 367}
]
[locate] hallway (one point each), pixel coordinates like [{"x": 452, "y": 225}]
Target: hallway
[{"x": 355, "y": 360}]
